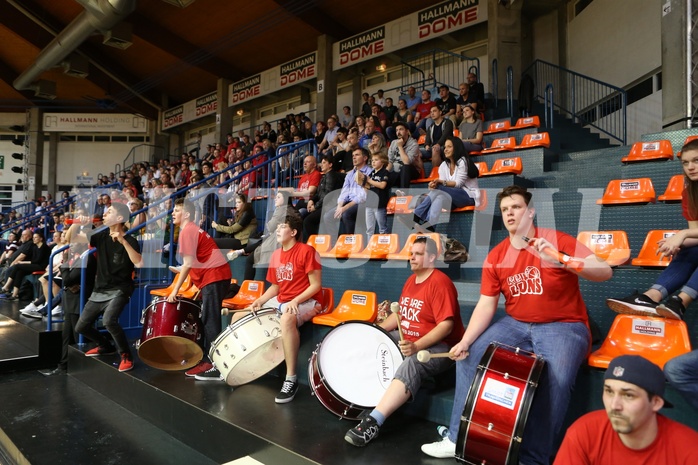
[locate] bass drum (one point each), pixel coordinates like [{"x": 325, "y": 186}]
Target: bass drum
[
  {"x": 497, "y": 406},
  {"x": 248, "y": 348},
  {"x": 352, "y": 367},
  {"x": 170, "y": 336}
]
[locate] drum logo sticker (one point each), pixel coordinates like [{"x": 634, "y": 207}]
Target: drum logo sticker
[
  {"x": 648, "y": 327},
  {"x": 499, "y": 393},
  {"x": 386, "y": 365}
]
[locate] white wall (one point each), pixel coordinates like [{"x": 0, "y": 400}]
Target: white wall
[
  {"x": 616, "y": 41},
  {"x": 544, "y": 38},
  {"x": 74, "y": 158}
]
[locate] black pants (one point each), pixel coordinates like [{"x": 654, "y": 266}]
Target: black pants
[
  {"x": 212, "y": 296},
  {"x": 112, "y": 310},
  {"x": 228, "y": 243}
]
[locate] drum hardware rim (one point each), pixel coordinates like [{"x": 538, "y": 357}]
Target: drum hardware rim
[
  {"x": 506, "y": 375},
  {"x": 491, "y": 428},
  {"x": 517, "y": 350}
]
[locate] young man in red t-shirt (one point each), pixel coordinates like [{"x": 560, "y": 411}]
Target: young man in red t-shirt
[
  {"x": 630, "y": 430},
  {"x": 209, "y": 271},
  {"x": 430, "y": 320},
  {"x": 295, "y": 275},
  {"x": 537, "y": 271}
]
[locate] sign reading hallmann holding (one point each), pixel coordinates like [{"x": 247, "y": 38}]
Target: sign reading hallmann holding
[
  {"x": 94, "y": 122},
  {"x": 428, "y": 23}
]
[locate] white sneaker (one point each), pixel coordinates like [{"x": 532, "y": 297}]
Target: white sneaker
[
  {"x": 29, "y": 308},
  {"x": 444, "y": 449},
  {"x": 232, "y": 255},
  {"x": 57, "y": 310}
]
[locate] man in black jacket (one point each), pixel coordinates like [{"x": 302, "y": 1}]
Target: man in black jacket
[{"x": 331, "y": 180}]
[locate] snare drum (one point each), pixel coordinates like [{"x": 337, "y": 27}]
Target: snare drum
[
  {"x": 352, "y": 367},
  {"x": 497, "y": 406},
  {"x": 248, "y": 348},
  {"x": 170, "y": 334}
]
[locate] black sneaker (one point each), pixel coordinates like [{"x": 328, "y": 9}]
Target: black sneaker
[
  {"x": 287, "y": 393},
  {"x": 212, "y": 374},
  {"x": 636, "y": 304},
  {"x": 672, "y": 308},
  {"x": 363, "y": 433}
]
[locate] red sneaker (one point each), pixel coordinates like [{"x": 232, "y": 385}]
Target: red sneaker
[
  {"x": 98, "y": 351},
  {"x": 126, "y": 363},
  {"x": 202, "y": 367}
]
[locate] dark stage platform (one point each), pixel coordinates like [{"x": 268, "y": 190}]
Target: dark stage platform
[{"x": 95, "y": 414}]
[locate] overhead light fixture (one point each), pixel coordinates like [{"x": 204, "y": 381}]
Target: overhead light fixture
[
  {"x": 382, "y": 67},
  {"x": 44, "y": 89},
  {"x": 180, "y": 3},
  {"x": 120, "y": 36},
  {"x": 240, "y": 112},
  {"x": 76, "y": 66}
]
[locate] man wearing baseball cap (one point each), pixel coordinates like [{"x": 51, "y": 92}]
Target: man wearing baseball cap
[{"x": 630, "y": 431}]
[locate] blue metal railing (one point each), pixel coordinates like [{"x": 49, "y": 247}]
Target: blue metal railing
[{"x": 586, "y": 100}]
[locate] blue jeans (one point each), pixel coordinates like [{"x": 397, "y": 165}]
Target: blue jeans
[
  {"x": 563, "y": 346},
  {"x": 682, "y": 271},
  {"x": 682, "y": 373},
  {"x": 430, "y": 208},
  {"x": 373, "y": 215}
]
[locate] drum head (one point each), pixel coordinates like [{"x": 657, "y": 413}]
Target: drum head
[
  {"x": 170, "y": 353},
  {"x": 357, "y": 362}
]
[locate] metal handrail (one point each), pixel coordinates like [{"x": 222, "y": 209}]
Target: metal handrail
[
  {"x": 510, "y": 91},
  {"x": 586, "y": 100},
  {"x": 549, "y": 104},
  {"x": 132, "y": 153},
  {"x": 426, "y": 64},
  {"x": 495, "y": 82}
]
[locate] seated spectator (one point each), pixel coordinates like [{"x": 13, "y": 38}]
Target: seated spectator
[
  {"x": 402, "y": 115},
  {"x": 307, "y": 185},
  {"x": 351, "y": 196},
  {"x": 404, "y": 158},
  {"x": 447, "y": 103},
  {"x": 239, "y": 228},
  {"x": 136, "y": 219},
  {"x": 331, "y": 180},
  {"x": 477, "y": 92},
  {"x": 377, "y": 145},
  {"x": 440, "y": 130},
  {"x": 457, "y": 183},
  {"x": 37, "y": 260},
  {"x": 367, "y": 136},
  {"x": 464, "y": 98},
  {"x": 389, "y": 109},
  {"x": 366, "y": 106},
  {"x": 423, "y": 112},
  {"x": 471, "y": 130},
  {"x": 378, "y": 116},
  {"x": 346, "y": 117},
  {"x": 630, "y": 430},
  {"x": 342, "y": 160},
  {"x": 330, "y": 135},
  {"x": 376, "y": 182},
  {"x": 320, "y": 130},
  {"x": 340, "y": 142},
  {"x": 429, "y": 308}
]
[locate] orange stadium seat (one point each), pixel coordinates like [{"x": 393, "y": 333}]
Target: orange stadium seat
[
  {"x": 320, "y": 242},
  {"x": 379, "y": 246},
  {"x": 327, "y": 300},
  {"x": 674, "y": 189},
  {"x": 657, "y": 339},
  {"x": 404, "y": 254},
  {"x": 248, "y": 293},
  {"x": 422, "y": 139},
  {"x": 528, "y": 122},
  {"x": 505, "y": 166},
  {"x": 433, "y": 175},
  {"x": 355, "y": 305},
  {"x": 505, "y": 144},
  {"x": 482, "y": 167},
  {"x": 610, "y": 246},
  {"x": 532, "y": 141},
  {"x": 346, "y": 245},
  {"x": 483, "y": 204},
  {"x": 647, "y": 151},
  {"x": 498, "y": 126},
  {"x": 627, "y": 191},
  {"x": 164, "y": 292},
  {"x": 648, "y": 255},
  {"x": 399, "y": 205}
]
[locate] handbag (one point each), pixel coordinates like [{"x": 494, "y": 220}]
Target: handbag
[{"x": 454, "y": 251}]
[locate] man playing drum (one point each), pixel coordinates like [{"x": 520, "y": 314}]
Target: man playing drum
[
  {"x": 429, "y": 320},
  {"x": 295, "y": 275},
  {"x": 537, "y": 271},
  {"x": 210, "y": 272}
]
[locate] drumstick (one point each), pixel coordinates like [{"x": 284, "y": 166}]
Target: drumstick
[
  {"x": 395, "y": 308},
  {"x": 564, "y": 259},
  {"x": 227, "y": 311},
  {"x": 424, "y": 355}
]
